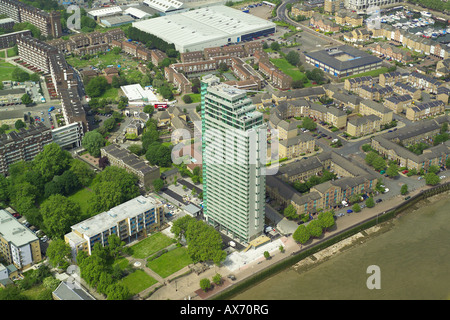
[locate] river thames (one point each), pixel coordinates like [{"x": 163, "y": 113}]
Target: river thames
[{"x": 412, "y": 253}]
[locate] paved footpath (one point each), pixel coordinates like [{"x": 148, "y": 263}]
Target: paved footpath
[{"x": 187, "y": 287}]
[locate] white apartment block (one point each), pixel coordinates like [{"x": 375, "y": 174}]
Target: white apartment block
[
  {"x": 233, "y": 133},
  {"x": 130, "y": 220}
]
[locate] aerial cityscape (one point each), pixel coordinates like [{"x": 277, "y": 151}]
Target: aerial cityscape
[{"x": 222, "y": 150}]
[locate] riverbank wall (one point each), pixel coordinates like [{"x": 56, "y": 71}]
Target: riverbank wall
[{"x": 325, "y": 243}]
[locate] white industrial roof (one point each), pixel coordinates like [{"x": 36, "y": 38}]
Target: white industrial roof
[
  {"x": 137, "y": 13},
  {"x": 135, "y": 92},
  {"x": 164, "y": 5},
  {"x": 203, "y": 25},
  {"x": 105, "y": 11}
]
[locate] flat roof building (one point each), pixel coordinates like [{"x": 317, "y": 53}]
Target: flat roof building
[
  {"x": 129, "y": 221},
  {"x": 123, "y": 158},
  {"x": 343, "y": 61},
  {"x": 206, "y": 27},
  {"x": 18, "y": 245},
  {"x": 138, "y": 96}
]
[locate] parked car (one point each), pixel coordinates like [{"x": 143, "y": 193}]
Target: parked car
[
  {"x": 349, "y": 211},
  {"x": 405, "y": 171},
  {"x": 379, "y": 200},
  {"x": 408, "y": 197}
]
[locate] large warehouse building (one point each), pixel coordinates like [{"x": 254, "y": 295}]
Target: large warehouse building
[{"x": 206, "y": 27}]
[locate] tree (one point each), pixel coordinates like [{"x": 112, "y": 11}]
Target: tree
[
  {"x": 159, "y": 154},
  {"x": 205, "y": 284},
  {"x": 433, "y": 169},
  {"x": 290, "y": 212},
  {"x": 26, "y": 99},
  {"x": 314, "y": 228},
  {"x": 20, "y": 75},
  {"x": 112, "y": 187},
  {"x": 217, "y": 279},
  {"x": 117, "y": 291},
  {"x": 158, "y": 184},
  {"x": 297, "y": 84},
  {"x": 293, "y": 58},
  {"x": 267, "y": 255},
  {"x": 431, "y": 179},
  {"x": 326, "y": 219},
  {"x": 82, "y": 171},
  {"x": 392, "y": 171},
  {"x": 309, "y": 124},
  {"x": 96, "y": 86},
  {"x": 35, "y": 77},
  {"x": 19, "y": 124},
  {"x": 379, "y": 163},
  {"x": 370, "y": 157},
  {"x": 356, "y": 207},
  {"x": 301, "y": 235},
  {"x": 316, "y": 75},
  {"x": 404, "y": 189},
  {"x": 275, "y": 46},
  {"x": 370, "y": 203},
  {"x": 59, "y": 214},
  {"x": 59, "y": 253},
  {"x": 204, "y": 242},
  {"x": 187, "y": 98},
  {"x": 93, "y": 141},
  {"x": 51, "y": 161}
]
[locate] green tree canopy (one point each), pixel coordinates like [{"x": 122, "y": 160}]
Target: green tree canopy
[
  {"x": 93, "y": 141},
  {"x": 96, "y": 86},
  {"x": 309, "y": 124},
  {"x": 432, "y": 179},
  {"x": 392, "y": 171},
  {"x": 370, "y": 203},
  {"x": 326, "y": 219},
  {"x": 59, "y": 214},
  {"x": 293, "y": 57},
  {"x": 290, "y": 212},
  {"x": 52, "y": 161},
  {"x": 301, "y": 235},
  {"x": 314, "y": 228},
  {"x": 59, "y": 253}
]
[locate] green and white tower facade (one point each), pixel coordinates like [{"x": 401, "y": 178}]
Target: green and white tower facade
[{"x": 234, "y": 138}]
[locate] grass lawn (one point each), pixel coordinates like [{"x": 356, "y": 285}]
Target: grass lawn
[
  {"x": 111, "y": 93},
  {"x": 138, "y": 281},
  {"x": 170, "y": 262},
  {"x": 2, "y": 54},
  {"x": 34, "y": 292},
  {"x": 82, "y": 198},
  {"x": 122, "y": 263},
  {"x": 196, "y": 97},
  {"x": 6, "y": 70},
  {"x": 151, "y": 245},
  {"x": 373, "y": 73},
  {"x": 11, "y": 53},
  {"x": 290, "y": 70}
]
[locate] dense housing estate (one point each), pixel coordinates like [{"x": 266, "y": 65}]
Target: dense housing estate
[
  {"x": 49, "y": 23},
  {"x": 352, "y": 180},
  {"x": 392, "y": 145}
]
